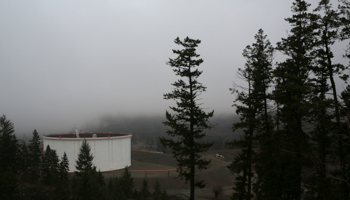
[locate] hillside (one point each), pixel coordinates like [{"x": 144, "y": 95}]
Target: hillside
[{"x": 216, "y": 174}]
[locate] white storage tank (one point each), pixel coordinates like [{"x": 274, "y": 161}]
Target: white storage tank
[{"x": 111, "y": 151}]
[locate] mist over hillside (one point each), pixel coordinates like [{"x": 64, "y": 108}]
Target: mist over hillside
[
  {"x": 153, "y": 125},
  {"x": 149, "y": 128}
]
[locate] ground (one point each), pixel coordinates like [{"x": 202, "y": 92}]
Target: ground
[{"x": 216, "y": 174}]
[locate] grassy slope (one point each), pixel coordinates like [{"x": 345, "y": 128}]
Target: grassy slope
[{"x": 217, "y": 172}]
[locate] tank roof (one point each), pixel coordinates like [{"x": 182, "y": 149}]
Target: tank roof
[{"x": 86, "y": 135}]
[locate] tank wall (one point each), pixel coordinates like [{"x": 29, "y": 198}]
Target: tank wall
[{"x": 109, "y": 153}]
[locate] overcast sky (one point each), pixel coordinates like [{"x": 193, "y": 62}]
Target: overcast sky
[{"x": 66, "y": 63}]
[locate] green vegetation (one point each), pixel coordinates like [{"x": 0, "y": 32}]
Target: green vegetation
[
  {"x": 62, "y": 185},
  {"x": 292, "y": 113},
  {"x": 9, "y": 158},
  {"x": 49, "y": 166},
  {"x": 252, "y": 106},
  {"x": 145, "y": 192},
  {"x": 158, "y": 192},
  {"x": 188, "y": 122},
  {"x": 87, "y": 182},
  {"x": 53, "y": 181},
  {"x": 34, "y": 157},
  {"x": 127, "y": 183}
]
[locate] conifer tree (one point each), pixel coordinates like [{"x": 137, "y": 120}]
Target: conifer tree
[
  {"x": 86, "y": 179},
  {"x": 8, "y": 145},
  {"x": 292, "y": 93},
  {"x": 62, "y": 185},
  {"x": 23, "y": 162},
  {"x": 116, "y": 189},
  {"x": 127, "y": 183},
  {"x": 63, "y": 169},
  {"x": 343, "y": 179},
  {"x": 145, "y": 191},
  {"x": 157, "y": 191},
  {"x": 326, "y": 124},
  {"x": 188, "y": 120},
  {"x": 345, "y": 35},
  {"x": 344, "y": 8},
  {"x": 49, "y": 166},
  {"x": 34, "y": 157},
  {"x": 304, "y": 152},
  {"x": 9, "y": 151},
  {"x": 252, "y": 106}
]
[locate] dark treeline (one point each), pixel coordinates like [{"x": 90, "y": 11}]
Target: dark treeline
[
  {"x": 29, "y": 172},
  {"x": 295, "y": 122}
]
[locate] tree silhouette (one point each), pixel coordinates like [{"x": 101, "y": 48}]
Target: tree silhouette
[
  {"x": 34, "y": 157},
  {"x": 251, "y": 104},
  {"x": 86, "y": 181},
  {"x": 49, "y": 166},
  {"x": 9, "y": 151},
  {"x": 188, "y": 120}
]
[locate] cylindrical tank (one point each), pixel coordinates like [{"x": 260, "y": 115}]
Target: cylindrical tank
[{"x": 111, "y": 151}]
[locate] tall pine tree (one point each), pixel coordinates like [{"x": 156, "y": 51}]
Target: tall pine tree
[
  {"x": 188, "y": 121},
  {"x": 292, "y": 94},
  {"x": 325, "y": 116},
  {"x": 252, "y": 106}
]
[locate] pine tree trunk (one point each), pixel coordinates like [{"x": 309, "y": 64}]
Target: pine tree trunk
[
  {"x": 337, "y": 130},
  {"x": 192, "y": 194},
  {"x": 249, "y": 181}
]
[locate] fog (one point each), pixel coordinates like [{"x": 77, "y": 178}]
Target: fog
[{"x": 73, "y": 63}]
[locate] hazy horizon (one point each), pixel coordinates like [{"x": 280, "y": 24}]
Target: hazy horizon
[{"x": 70, "y": 63}]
